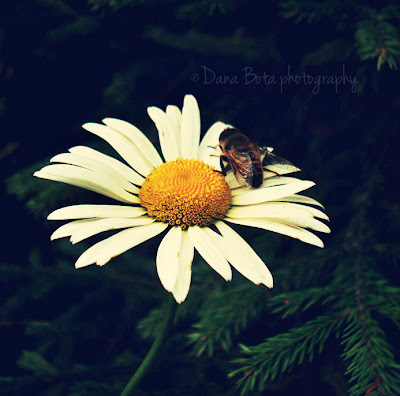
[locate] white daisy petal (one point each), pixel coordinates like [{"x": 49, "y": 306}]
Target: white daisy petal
[
  {"x": 82, "y": 229},
  {"x": 282, "y": 169},
  {"x": 268, "y": 174},
  {"x": 91, "y": 211},
  {"x": 276, "y": 209},
  {"x": 278, "y": 181},
  {"x": 167, "y": 134},
  {"x": 167, "y": 259},
  {"x": 68, "y": 229},
  {"x": 315, "y": 212},
  {"x": 270, "y": 182},
  {"x": 124, "y": 147},
  {"x": 271, "y": 193},
  {"x": 209, "y": 152},
  {"x": 190, "y": 128},
  {"x": 89, "y": 256},
  {"x": 95, "y": 166},
  {"x": 234, "y": 239},
  {"x": 87, "y": 179},
  {"x": 97, "y": 226},
  {"x": 210, "y": 253},
  {"x": 235, "y": 256},
  {"x": 175, "y": 117},
  {"x": 234, "y": 184},
  {"x": 270, "y": 179},
  {"x": 279, "y": 227},
  {"x": 124, "y": 170},
  {"x": 186, "y": 254},
  {"x": 102, "y": 252},
  {"x": 211, "y": 138},
  {"x": 137, "y": 138},
  {"x": 300, "y": 199},
  {"x": 269, "y": 209},
  {"x": 309, "y": 222},
  {"x": 214, "y": 161}
]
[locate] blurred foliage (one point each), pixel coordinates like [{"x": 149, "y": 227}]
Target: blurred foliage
[{"x": 331, "y": 324}]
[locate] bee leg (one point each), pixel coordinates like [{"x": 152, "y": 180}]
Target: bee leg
[
  {"x": 265, "y": 149},
  {"x": 222, "y": 166},
  {"x": 214, "y": 147},
  {"x": 269, "y": 170},
  {"x": 222, "y": 158}
]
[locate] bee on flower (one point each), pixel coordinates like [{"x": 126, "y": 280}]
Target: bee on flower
[{"x": 181, "y": 193}]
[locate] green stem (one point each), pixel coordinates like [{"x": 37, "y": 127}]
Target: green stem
[{"x": 141, "y": 371}]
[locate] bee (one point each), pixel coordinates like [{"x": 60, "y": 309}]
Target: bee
[{"x": 247, "y": 160}]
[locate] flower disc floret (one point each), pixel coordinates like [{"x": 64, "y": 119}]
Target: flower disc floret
[{"x": 185, "y": 193}]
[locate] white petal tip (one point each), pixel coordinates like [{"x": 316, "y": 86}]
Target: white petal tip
[
  {"x": 151, "y": 110},
  {"x": 179, "y": 300},
  {"x": 269, "y": 284},
  {"x": 267, "y": 281},
  {"x": 39, "y": 174},
  {"x": 55, "y": 158},
  {"x": 103, "y": 260},
  {"x": 55, "y": 236},
  {"x": 81, "y": 265},
  {"x": 107, "y": 119},
  {"x": 189, "y": 97},
  {"x": 87, "y": 125}
]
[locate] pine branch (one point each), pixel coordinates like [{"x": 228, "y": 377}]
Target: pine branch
[
  {"x": 337, "y": 50},
  {"x": 279, "y": 354},
  {"x": 372, "y": 366},
  {"x": 377, "y": 38},
  {"x": 310, "y": 10},
  {"x": 197, "y": 8},
  {"x": 301, "y": 301},
  {"x": 238, "y": 44},
  {"x": 149, "y": 326},
  {"x": 115, "y": 5},
  {"x": 39, "y": 195},
  {"x": 220, "y": 320},
  {"x": 36, "y": 363}
]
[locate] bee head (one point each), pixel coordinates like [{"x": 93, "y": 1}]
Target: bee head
[{"x": 227, "y": 133}]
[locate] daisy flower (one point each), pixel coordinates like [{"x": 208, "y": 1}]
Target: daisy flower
[{"x": 185, "y": 194}]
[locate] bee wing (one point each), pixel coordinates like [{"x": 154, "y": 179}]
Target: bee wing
[
  {"x": 276, "y": 164},
  {"x": 242, "y": 168}
]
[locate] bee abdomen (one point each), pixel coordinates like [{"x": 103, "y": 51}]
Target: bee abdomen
[
  {"x": 258, "y": 174},
  {"x": 258, "y": 177}
]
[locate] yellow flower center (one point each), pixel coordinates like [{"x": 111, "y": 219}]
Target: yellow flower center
[{"x": 186, "y": 193}]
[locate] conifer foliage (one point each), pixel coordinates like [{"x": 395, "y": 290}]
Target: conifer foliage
[{"x": 376, "y": 32}]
